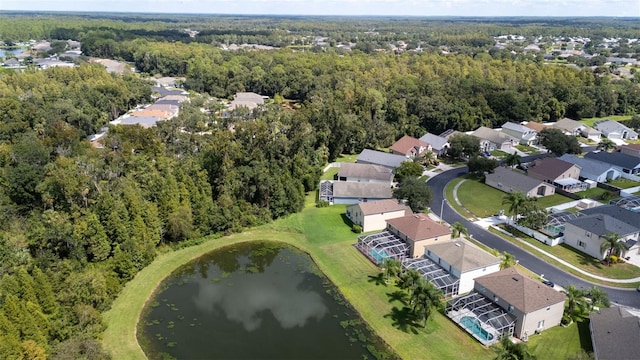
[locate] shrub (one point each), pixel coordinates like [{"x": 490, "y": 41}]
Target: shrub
[
  {"x": 614, "y": 259},
  {"x": 322, "y": 203},
  {"x": 356, "y": 228}
]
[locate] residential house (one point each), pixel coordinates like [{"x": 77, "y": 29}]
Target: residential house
[
  {"x": 630, "y": 149},
  {"x": 373, "y": 215},
  {"x": 524, "y": 134},
  {"x": 144, "y": 121},
  {"x": 615, "y": 130},
  {"x": 364, "y": 173},
  {"x": 439, "y": 144},
  {"x": 491, "y": 140},
  {"x": 463, "y": 260},
  {"x": 409, "y": 147},
  {"x": 563, "y": 175},
  {"x": 569, "y": 126},
  {"x": 345, "y": 192},
  {"x": 591, "y": 134},
  {"x": 375, "y": 157},
  {"x": 535, "y": 306},
  {"x": 615, "y": 334},
  {"x": 627, "y": 164},
  {"x": 418, "y": 230},
  {"x": 508, "y": 181},
  {"x": 12, "y": 63},
  {"x": 245, "y": 100},
  {"x": 621, "y": 213},
  {"x": 591, "y": 169},
  {"x": 535, "y": 126},
  {"x": 586, "y": 233},
  {"x": 449, "y": 133}
]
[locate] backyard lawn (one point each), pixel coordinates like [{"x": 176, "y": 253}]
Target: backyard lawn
[
  {"x": 484, "y": 201},
  {"x": 592, "y": 193},
  {"x": 590, "y": 121},
  {"x": 623, "y": 183},
  {"x": 561, "y": 342},
  {"x": 528, "y": 149}
]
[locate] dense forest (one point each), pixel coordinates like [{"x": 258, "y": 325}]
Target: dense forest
[{"x": 77, "y": 222}]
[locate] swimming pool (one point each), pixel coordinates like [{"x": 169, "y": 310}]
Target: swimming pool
[
  {"x": 379, "y": 255},
  {"x": 472, "y": 324}
]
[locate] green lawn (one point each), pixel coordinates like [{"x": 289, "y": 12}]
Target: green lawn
[
  {"x": 595, "y": 192},
  {"x": 580, "y": 260},
  {"x": 561, "y": 342},
  {"x": 499, "y": 154},
  {"x": 324, "y": 233},
  {"x": 329, "y": 174},
  {"x": 590, "y": 121},
  {"x": 623, "y": 183},
  {"x": 483, "y": 200},
  {"x": 528, "y": 149}
]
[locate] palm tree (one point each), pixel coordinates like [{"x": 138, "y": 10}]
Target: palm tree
[
  {"x": 577, "y": 306},
  {"x": 391, "y": 267},
  {"x": 512, "y": 159},
  {"x": 612, "y": 246},
  {"x": 409, "y": 280},
  {"x": 459, "y": 229},
  {"x": 507, "y": 260},
  {"x": 428, "y": 158},
  {"x": 425, "y": 298},
  {"x": 606, "y": 145},
  {"x": 510, "y": 351},
  {"x": 598, "y": 298},
  {"x": 515, "y": 200}
]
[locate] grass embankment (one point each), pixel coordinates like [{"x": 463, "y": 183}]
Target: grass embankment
[
  {"x": 324, "y": 234},
  {"x": 590, "y": 121},
  {"x": 623, "y": 183}
]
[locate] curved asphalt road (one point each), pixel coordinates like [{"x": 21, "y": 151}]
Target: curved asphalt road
[{"x": 437, "y": 183}]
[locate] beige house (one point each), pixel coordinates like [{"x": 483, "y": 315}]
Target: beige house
[
  {"x": 563, "y": 175},
  {"x": 463, "y": 260},
  {"x": 535, "y": 306},
  {"x": 491, "y": 140},
  {"x": 418, "y": 231},
  {"x": 373, "y": 215}
]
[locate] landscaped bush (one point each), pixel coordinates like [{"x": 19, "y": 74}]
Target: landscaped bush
[
  {"x": 356, "y": 228},
  {"x": 322, "y": 203}
]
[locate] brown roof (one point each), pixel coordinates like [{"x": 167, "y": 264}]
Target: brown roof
[
  {"x": 535, "y": 126},
  {"x": 549, "y": 168},
  {"x": 382, "y": 206},
  {"x": 151, "y": 112},
  {"x": 519, "y": 290},
  {"x": 463, "y": 255},
  {"x": 419, "y": 227},
  {"x": 406, "y": 143}
]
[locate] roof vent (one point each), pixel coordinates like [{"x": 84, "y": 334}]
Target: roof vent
[
  {"x": 515, "y": 279},
  {"x": 458, "y": 244}
]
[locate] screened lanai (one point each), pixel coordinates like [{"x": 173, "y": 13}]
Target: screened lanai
[
  {"x": 630, "y": 203},
  {"x": 431, "y": 271},
  {"x": 556, "y": 222},
  {"x": 382, "y": 245},
  {"x": 480, "y": 317},
  {"x": 326, "y": 191}
]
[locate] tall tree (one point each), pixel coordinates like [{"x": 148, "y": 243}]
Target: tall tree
[
  {"x": 459, "y": 229},
  {"x": 576, "y": 305},
  {"x": 391, "y": 267},
  {"x": 612, "y": 246},
  {"x": 508, "y": 350},
  {"x": 515, "y": 200},
  {"x": 425, "y": 298},
  {"x": 512, "y": 159},
  {"x": 507, "y": 260},
  {"x": 416, "y": 192},
  {"x": 606, "y": 144}
]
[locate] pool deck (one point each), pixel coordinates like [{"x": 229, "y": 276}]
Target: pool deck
[{"x": 457, "y": 315}]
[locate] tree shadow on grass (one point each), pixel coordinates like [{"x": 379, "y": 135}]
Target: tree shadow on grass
[
  {"x": 378, "y": 279},
  {"x": 404, "y": 319},
  {"x": 398, "y": 295}
]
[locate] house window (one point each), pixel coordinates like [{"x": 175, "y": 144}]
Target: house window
[
  {"x": 540, "y": 324},
  {"x": 587, "y": 234},
  {"x": 500, "y": 184},
  {"x": 582, "y": 244},
  {"x": 510, "y": 309},
  {"x": 428, "y": 252}
]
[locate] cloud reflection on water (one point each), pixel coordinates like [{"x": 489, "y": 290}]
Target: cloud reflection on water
[{"x": 243, "y": 296}]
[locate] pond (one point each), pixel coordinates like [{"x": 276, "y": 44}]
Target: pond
[
  {"x": 16, "y": 51},
  {"x": 257, "y": 300}
]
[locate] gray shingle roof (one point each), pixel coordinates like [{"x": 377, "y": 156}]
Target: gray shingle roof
[
  {"x": 348, "y": 189},
  {"x": 492, "y": 135},
  {"x": 568, "y": 125},
  {"x": 601, "y": 224},
  {"x": 615, "y": 334},
  {"x": 620, "y": 213},
  {"x": 512, "y": 180},
  {"x": 618, "y": 159},
  {"x": 550, "y": 168},
  {"x": 608, "y": 126},
  {"x": 437, "y": 142},
  {"x": 365, "y": 171},
  {"x": 381, "y": 158},
  {"x": 588, "y": 167}
]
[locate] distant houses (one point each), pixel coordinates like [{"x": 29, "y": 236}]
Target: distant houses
[
  {"x": 592, "y": 169},
  {"x": 491, "y": 140},
  {"x": 627, "y": 164},
  {"x": 243, "y": 100},
  {"x": 524, "y": 134}
]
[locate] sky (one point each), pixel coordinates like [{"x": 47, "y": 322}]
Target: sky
[{"x": 617, "y": 8}]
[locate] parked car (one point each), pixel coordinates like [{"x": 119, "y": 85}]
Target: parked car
[
  {"x": 485, "y": 154},
  {"x": 548, "y": 283}
]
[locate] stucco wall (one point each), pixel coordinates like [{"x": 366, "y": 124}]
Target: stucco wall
[
  {"x": 467, "y": 280},
  {"x": 573, "y": 234}
]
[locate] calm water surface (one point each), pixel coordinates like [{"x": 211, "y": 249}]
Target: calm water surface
[{"x": 257, "y": 300}]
